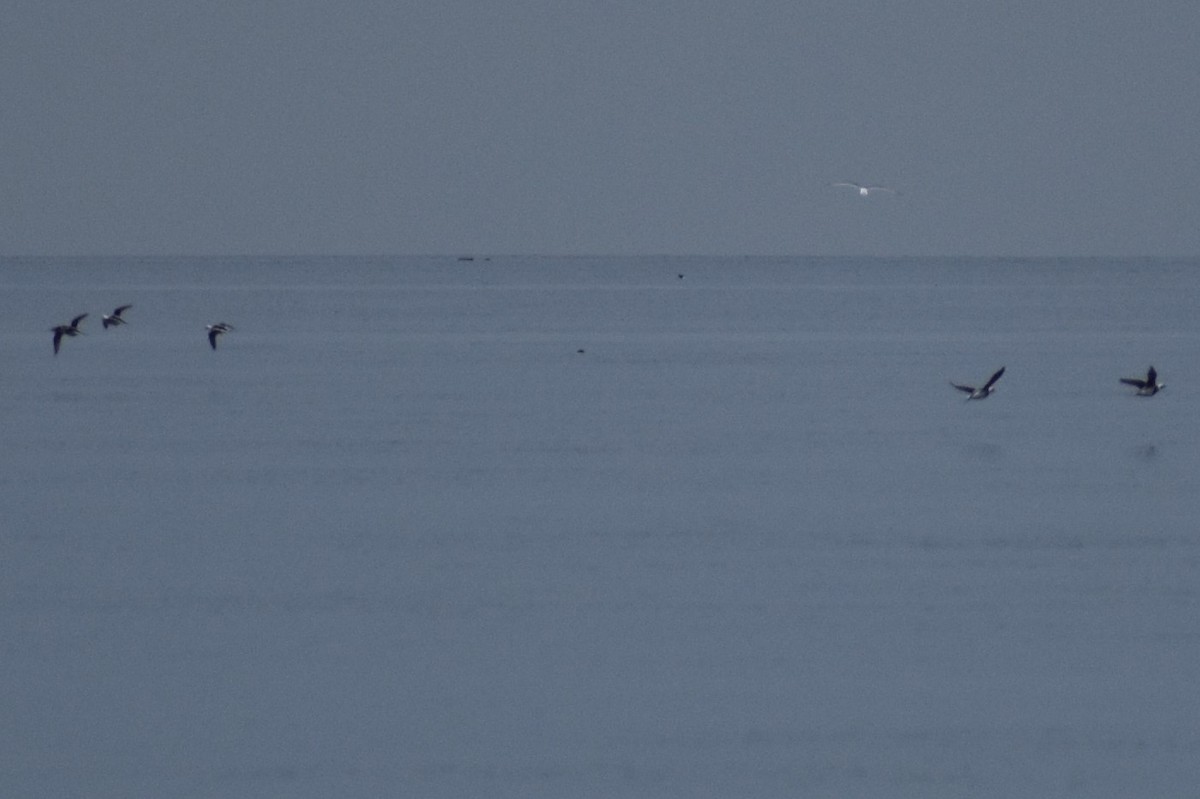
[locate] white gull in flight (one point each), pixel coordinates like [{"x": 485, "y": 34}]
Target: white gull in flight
[{"x": 865, "y": 191}]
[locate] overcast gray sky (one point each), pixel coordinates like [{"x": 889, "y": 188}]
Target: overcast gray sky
[{"x": 623, "y": 127}]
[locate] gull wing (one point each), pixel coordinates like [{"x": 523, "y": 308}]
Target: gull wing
[
  {"x": 212, "y": 337},
  {"x": 58, "y": 334},
  {"x": 1151, "y": 377},
  {"x": 1134, "y": 381},
  {"x": 122, "y": 309},
  {"x": 967, "y": 389},
  {"x": 992, "y": 380},
  {"x": 75, "y": 322}
]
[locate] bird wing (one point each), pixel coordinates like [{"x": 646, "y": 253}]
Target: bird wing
[
  {"x": 1133, "y": 381},
  {"x": 967, "y": 389},
  {"x": 122, "y": 309},
  {"x": 880, "y": 188},
  {"x": 75, "y": 322},
  {"x": 212, "y": 337},
  {"x": 992, "y": 380},
  {"x": 57, "y": 339},
  {"x": 1152, "y": 377},
  {"x": 850, "y": 185}
]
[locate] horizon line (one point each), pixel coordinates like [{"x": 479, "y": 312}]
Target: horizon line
[{"x": 467, "y": 256}]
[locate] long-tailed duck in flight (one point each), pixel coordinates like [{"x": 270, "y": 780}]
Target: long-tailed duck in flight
[
  {"x": 984, "y": 391},
  {"x": 865, "y": 191},
  {"x": 67, "y": 330},
  {"x": 114, "y": 318},
  {"x": 1148, "y": 387},
  {"x": 216, "y": 330}
]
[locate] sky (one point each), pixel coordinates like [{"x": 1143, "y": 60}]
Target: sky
[{"x": 559, "y": 127}]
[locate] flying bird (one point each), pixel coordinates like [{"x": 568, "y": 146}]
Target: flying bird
[
  {"x": 865, "y": 191},
  {"x": 67, "y": 330},
  {"x": 1148, "y": 387},
  {"x": 216, "y": 330},
  {"x": 984, "y": 391},
  {"x": 114, "y": 318}
]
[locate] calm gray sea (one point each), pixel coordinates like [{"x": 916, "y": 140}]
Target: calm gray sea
[{"x": 568, "y": 527}]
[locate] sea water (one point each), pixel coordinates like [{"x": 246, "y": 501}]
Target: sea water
[{"x": 571, "y": 527}]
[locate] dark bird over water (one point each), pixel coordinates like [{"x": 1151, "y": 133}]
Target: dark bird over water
[
  {"x": 1148, "y": 387},
  {"x": 67, "y": 330},
  {"x": 114, "y": 318},
  {"x": 216, "y": 330},
  {"x": 984, "y": 391}
]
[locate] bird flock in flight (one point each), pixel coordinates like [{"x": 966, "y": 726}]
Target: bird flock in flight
[
  {"x": 115, "y": 318},
  {"x": 1146, "y": 387}
]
